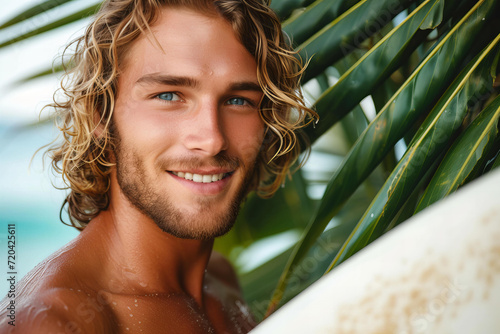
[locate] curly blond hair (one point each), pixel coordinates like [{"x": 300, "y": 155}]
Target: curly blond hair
[{"x": 90, "y": 84}]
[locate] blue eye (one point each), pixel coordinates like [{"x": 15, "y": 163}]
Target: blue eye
[
  {"x": 168, "y": 96},
  {"x": 236, "y": 101}
]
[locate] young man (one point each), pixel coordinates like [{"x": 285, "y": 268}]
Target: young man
[{"x": 174, "y": 111}]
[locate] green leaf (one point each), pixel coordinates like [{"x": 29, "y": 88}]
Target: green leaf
[
  {"x": 372, "y": 69},
  {"x": 346, "y": 33},
  {"x": 434, "y": 18},
  {"x": 408, "y": 208},
  {"x": 356, "y": 121},
  {"x": 49, "y": 71},
  {"x": 430, "y": 141},
  {"x": 383, "y": 93},
  {"x": 33, "y": 11},
  {"x": 354, "y": 124},
  {"x": 413, "y": 99},
  {"x": 467, "y": 151},
  {"x": 258, "y": 284},
  {"x": 54, "y": 25},
  {"x": 316, "y": 16},
  {"x": 283, "y": 8},
  {"x": 496, "y": 162}
]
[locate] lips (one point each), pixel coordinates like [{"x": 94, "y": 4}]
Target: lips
[{"x": 201, "y": 178}]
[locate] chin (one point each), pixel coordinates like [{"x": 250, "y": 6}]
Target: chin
[
  {"x": 207, "y": 231},
  {"x": 203, "y": 224}
]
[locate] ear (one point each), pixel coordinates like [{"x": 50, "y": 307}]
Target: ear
[{"x": 99, "y": 124}]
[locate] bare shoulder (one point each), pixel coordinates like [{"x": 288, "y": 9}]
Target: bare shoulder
[
  {"x": 223, "y": 285},
  {"x": 55, "y": 298},
  {"x": 53, "y": 311},
  {"x": 220, "y": 268}
]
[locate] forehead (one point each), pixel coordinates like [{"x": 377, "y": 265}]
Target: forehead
[{"x": 188, "y": 43}]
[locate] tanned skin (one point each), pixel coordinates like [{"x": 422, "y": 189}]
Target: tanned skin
[{"x": 178, "y": 108}]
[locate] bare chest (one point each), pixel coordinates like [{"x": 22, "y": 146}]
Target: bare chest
[
  {"x": 161, "y": 314},
  {"x": 176, "y": 314}
]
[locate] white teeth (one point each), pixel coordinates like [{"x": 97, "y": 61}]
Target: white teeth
[{"x": 200, "y": 178}]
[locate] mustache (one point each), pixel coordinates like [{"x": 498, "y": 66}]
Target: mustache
[{"x": 221, "y": 160}]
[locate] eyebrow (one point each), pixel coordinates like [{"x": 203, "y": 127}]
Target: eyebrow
[
  {"x": 171, "y": 80},
  {"x": 167, "y": 80},
  {"x": 246, "y": 85}
]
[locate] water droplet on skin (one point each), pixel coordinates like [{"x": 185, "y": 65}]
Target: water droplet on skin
[
  {"x": 127, "y": 328},
  {"x": 114, "y": 303},
  {"x": 129, "y": 307},
  {"x": 143, "y": 284},
  {"x": 136, "y": 305},
  {"x": 131, "y": 315},
  {"x": 139, "y": 322},
  {"x": 135, "y": 300}
]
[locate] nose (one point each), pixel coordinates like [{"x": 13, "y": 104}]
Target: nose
[{"x": 205, "y": 130}]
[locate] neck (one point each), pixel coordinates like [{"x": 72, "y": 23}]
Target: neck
[{"x": 142, "y": 259}]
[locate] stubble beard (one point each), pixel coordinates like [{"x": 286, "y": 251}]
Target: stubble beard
[{"x": 139, "y": 189}]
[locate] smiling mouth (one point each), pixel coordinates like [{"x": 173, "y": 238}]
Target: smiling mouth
[{"x": 198, "y": 178}]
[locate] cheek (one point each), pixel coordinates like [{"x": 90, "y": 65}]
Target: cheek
[
  {"x": 248, "y": 137},
  {"x": 144, "y": 129}
]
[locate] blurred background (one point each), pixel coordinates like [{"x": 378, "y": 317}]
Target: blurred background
[{"x": 27, "y": 196}]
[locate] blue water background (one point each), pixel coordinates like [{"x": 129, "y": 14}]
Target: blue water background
[{"x": 29, "y": 200}]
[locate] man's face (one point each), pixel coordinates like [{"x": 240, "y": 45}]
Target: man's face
[{"x": 188, "y": 124}]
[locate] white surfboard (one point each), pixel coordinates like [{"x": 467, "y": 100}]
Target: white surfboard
[{"x": 438, "y": 272}]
